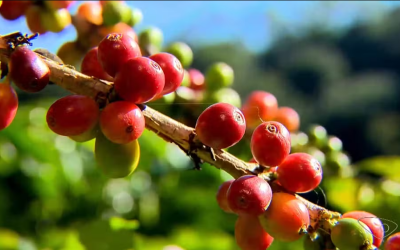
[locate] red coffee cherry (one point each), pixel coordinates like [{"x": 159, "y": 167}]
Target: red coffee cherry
[
  {"x": 286, "y": 218},
  {"x": 27, "y": 70},
  {"x": 250, "y": 195},
  {"x": 259, "y": 106},
  {"x": 115, "y": 50},
  {"x": 221, "y": 125},
  {"x": 139, "y": 80},
  {"x": 90, "y": 66},
  {"x": 270, "y": 143},
  {"x": 172, "y": 69},
  {"x": 372, "y": 222},
  {"x": 221, "y": 196},
  {"x": 122, "y": 122},
  {"x": 250, "y": 235},
  {"x": 72, "y": 115},
  {"x": 289, "y": 118},
  {"x": 8, "y": 105},
  {"x": 196, "y": 79},
  {"x": 393, "y": 242},
  {"x": 12, "y": 10},
  {"x": 300, "y": 173}
]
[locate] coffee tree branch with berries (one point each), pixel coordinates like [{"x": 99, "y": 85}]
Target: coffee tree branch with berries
[{"x": 121, "y": 75}]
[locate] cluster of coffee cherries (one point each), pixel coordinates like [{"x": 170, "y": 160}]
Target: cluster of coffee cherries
[{"x": 41, "y": 16}]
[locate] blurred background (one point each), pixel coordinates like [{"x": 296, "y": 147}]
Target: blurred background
[{"x": 336, "y": 63}]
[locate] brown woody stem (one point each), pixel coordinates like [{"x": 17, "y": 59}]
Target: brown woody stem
[{"x": 171, "y": 131}]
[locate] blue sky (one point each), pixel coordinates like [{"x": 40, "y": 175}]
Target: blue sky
[{"x": 252, "y": 22}]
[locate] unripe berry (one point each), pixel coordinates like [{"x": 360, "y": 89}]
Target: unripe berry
[
  {"x": 136, "y": 17},
  {"x": 139, "y": 80},
  {"x": 72, "y": 115},
  {"x": 115, "y": 12},
  {"x": 182, "y": 51},
  {"x": 115, "y": 50},
  {"x": 27, "y": 70},
  {"x": 219, "y": 75},
  {"x": 260, "y": 105},
  {"x": 286, "y": 218},
  {"x": 372, "y": 222},
  {"x": 122, "y": 122},
  {"x": 348, "y": 233},
  {"x": 221, "y": 196},
  {"x": 221, "y": 125},
  {"x": 8, "y": 105},
  {"x": 173, "y": 71},
  {"x": 299, "y": 173},
  {"x": 249, "y": 195},
  {"x": 150, "y": 40},
  {"x": 270, "y": 144},
  {"x": 55, "y": 20},
  {"x": 250, "y": 235}
]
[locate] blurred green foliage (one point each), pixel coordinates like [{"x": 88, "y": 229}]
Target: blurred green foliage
[{"x": 52, "y": 196}]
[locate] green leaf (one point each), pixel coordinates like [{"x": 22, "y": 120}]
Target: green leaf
[{"x": 386, "y": 166}]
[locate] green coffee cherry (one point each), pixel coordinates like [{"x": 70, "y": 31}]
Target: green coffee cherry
[
  {"x": 150, "y": 40},
  {"x": 136, "y": 17},
  {"x": 317, "y": 154},
  {"x": 333, "y": 144},
  {"x": 318, "y": 136},
  {"x": 182, "y": 51},
  {"x": 299, "y": 141},
  {"x": 350, "y": 234},
  {"x": 186, "y": 79},
  {"x": 115, "y": 12},
  {"x": 226, "y": 95},
  {"x": 337, "y": 160},
  {"x": 219, "y": 75}
]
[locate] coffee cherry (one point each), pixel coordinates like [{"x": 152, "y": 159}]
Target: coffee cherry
[
  {"x": 289, "y": 118},
  {"x": 249, "y": 195},
  {"x": 333, "y": 144},
  {"x": 221, "y": 196},
  {"x": 372, "y": 222},
  {"x": 90, "y": 66},
  {"x": 182, "y": 51},
  {"x": 221, "y": 125},
  {"x": 317, "y": 135},
  {"x": 12, "y": 10},
  {"x": 348, "y": 233},
  {"x": 393, "y": 242},
  {"x": 72, "y": 115},
  {"x": 55, "y": 20},
  {"x": 115, "y": 12},
  {"x": 286, "y": 219},
  {"x": 71, "y": 53},
  {"x": 150, "y": 40},
  {"x": 139, "y": 80},
  {"x": 250, "y": 235},
  {"x": 270, "y": 144},
  {"x": 116, "y": 160},
  {"x": 33, "y": 19},
  {"x": 115, "y": 50},
  {"x": 173, "y": 71},
  {"x": 119, "y": 28},
  {"x": 260, "y": 106},
  {"x": 91, "y": 12},
  {"x": 8, "y": 105},
  {"x": 136, "y": 17},
  {"x": 122, "y": 122},
  {"x": 219, "y": 75},
  {"x": 299, "y": 173},
  {"x": 186, "y": 78},
  {"x": 55, "y": 5},
  {"x": 27, "y": 70},
  {"x": 196, "y": 79},
  {"x": 226, "y": 95}
]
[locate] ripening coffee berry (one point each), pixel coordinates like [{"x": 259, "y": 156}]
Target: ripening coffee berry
[
  {"x": 260, "y": 106},
  {"x": 393, "y": 242},
  {"x": 219, "y": 75},
  {"x": 8, "y": 105},
  {"x": 122, "y": 122},
  {"x": 72, "y": 115},
  {"x": 299, "y": 173},
  {"x": 139, "y": 80},
  {"x": 250, "y": 235},
  {"x": 289, "y": 118},
  {"x": 182, "y": 51},
  {"x": 55, "y": 5},
  {"x": 90, "y": 66},
  {"x": 270, "y": 143},
  {"x": 286, "y": 219},
  {"x": 115, "y": 50},
  {"x": 27, "y": 70},
  {"x": 33, "y": 19},
  {"x": 372, "y": 222},
  {"x": 91, "y": 12},
  {"x": 55, "y": 20},
  {"x": 173, "y": 71},
  {"x": 196, "y": 79},
  {"x": 249, "y": 195},
  {"x": 349, "y": 233},
  {"x": 221, "y": 196},
  {"x": 116, "y": 160},
  {"x": 221, "y": 125}
]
